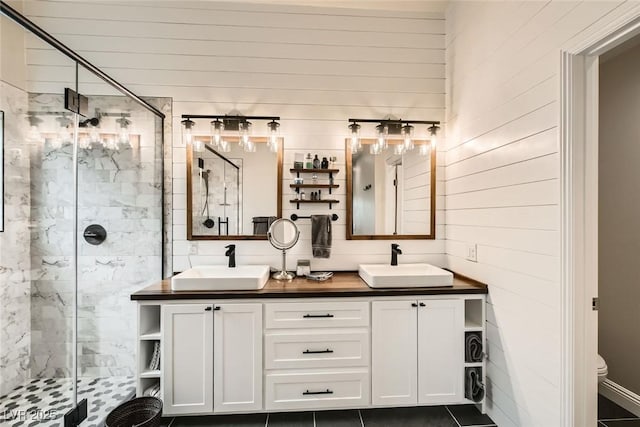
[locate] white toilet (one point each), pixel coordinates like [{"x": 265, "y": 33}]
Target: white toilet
[{"x": 602, "y": 369}]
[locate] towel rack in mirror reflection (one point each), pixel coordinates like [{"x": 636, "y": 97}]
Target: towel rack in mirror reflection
[{"x": 295, "y": 217}]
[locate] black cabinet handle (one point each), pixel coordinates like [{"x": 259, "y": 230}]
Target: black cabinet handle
[
  {"x": 413, "y": 304},
  {"x": 317, "y": 351},
  {"x": 315, "y": 316},
  {"x": 423, "y": 304},
  {"x": 217, "y": 307},
  {"x": 327, "y": 391},
  {"x": 207, "y": 309}
]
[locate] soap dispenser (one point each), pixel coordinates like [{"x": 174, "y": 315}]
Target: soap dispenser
[{"x": 309, "y": 162}]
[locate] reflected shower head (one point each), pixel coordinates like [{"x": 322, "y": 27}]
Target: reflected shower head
[{"x": 93, "y": 121}]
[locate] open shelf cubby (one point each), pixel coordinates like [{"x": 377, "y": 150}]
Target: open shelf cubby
[{"x": 473, "y": 315}]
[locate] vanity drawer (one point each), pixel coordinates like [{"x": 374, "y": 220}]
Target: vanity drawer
[
  {"x": 316, "y": 315},
  {"x": 313, "y": 348},
  {"x": 329, "y": 389}
]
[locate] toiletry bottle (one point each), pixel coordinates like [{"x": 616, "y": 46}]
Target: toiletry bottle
[
  {"x": 319, "y": 194},
  {"x": 316, "y": 162},
  {"x": 309, "y": 164},
  {"x": 302, "y": 195},
  {"x": 325, "y": 163}
]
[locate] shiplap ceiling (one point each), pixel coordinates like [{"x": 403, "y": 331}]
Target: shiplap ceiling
[{"x": 398, "y": 5}]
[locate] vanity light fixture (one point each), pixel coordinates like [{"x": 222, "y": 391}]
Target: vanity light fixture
[
  {"x": 387, "y": 129},
  {"x": 90, "y": 133},
  {"x": 227, "y": 123}
]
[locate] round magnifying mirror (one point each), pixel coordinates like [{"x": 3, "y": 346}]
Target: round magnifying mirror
[{"x": 283, "y": 234}]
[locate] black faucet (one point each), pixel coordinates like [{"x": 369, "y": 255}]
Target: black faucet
[
  {"x": 231, "y": 253},
  {"x": 395, "y": 250}
]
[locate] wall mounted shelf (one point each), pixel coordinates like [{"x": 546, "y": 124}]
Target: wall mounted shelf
[{"x": 329, "y": 201}]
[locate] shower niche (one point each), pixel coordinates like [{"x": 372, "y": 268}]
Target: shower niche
[{"x": 235, "y": 194}]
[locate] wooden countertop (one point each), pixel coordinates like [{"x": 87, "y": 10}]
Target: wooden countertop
[{"x": 342, "y": 284}]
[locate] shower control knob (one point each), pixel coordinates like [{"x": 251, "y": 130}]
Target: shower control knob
[{"x": 95, "y": 234}]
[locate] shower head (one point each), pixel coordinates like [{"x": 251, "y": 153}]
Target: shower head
[{"x": 93, "y": 121}]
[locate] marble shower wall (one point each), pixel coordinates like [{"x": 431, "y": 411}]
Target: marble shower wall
[
  {"x": 15, "y": 261},
  {"x": 120, "y": 190}
]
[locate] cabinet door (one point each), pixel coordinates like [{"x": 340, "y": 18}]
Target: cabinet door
[
  {"x": 394, "y": 352},
  {"x": 187, "y": 358},
  {"x": 237, "y": 376},
  {"x": 440, "y": 351}
]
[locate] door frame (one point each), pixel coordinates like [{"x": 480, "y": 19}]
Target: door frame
[{"x": 578, "y": 134}]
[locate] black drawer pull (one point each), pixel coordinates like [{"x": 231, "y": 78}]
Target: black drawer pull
[
  {"x": 423, "y": 304},
  {"x": 413, "y": 304},
  {"x": 316, "y": 316},
  {"x": 327, "y": 391},
  {"x": 317, "y": 351},
  {"x": 207, "y": 309},
  {"x": 217, "y": 307}
]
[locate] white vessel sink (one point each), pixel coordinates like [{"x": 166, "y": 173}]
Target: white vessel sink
[
  {"x": 221, "y": 278},
  {"x": 404, "y": 276}
]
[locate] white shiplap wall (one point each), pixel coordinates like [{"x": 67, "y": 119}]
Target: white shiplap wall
[
  {"x": 314, "y": 67},
  {"x": 502, "y": 184}
]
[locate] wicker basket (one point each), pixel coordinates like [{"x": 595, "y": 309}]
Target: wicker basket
[{"x": 139, "y": 412}]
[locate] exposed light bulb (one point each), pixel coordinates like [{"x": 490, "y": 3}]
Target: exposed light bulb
[
  {"x": 407, "y": 133},
  {"x": 383, "y": 133},
  {"x": 245, "y": 130},
  {"x": 33, "y": 134},
  {"x": 249, "y": 146},
  {"x": 375, "y": 149},
  {"x": 224, "y": 146},
  {"x": 217, "y": 127},
  {"x": 198, "y": 145},
  {"x": 94, "y": 134},
  {"x": 64, "y": 134},
  {"x": 356, "y": 144},
  {"x": 433, "y": 130},
  {"x": 274, "y": 128},
  {"x": 424, "y": 149},
  {"x": 399, "y": 149},
  {"x": 123, "y": 134},
  {"x": 187, "y": 131}
]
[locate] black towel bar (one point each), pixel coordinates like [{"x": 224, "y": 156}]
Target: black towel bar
[{"x": 295, "y": 217}]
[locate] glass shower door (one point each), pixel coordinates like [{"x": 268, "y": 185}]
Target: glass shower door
[
  {"x": 119, "y": 241},
  {"x": 37, "y": 296}
]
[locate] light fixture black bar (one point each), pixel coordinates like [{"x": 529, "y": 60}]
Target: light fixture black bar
[
  {"x": 420, "y": 122},
  {"x": 207, "y": 116},
  {"x": 48, "y": 38},
  {"x": 62, "y": 113}
]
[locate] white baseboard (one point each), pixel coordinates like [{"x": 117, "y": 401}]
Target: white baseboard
[{"x": 620, "y": 395}]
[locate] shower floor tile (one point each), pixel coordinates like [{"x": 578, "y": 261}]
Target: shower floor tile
[{"x": 43, "y": 402}]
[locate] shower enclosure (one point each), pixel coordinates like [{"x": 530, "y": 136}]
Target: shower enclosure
[{"x": 83, "y": 228}]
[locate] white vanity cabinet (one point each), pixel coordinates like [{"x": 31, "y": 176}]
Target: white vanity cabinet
[
  {"x": 417, "y": 351},
  {"x": 246, "y": 354},
  {"x": 211, "y": 358}
]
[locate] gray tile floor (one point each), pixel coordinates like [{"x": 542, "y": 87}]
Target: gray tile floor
[
  {"x": 427, "y": 416},
  {"x": 612, "y": 415}
]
